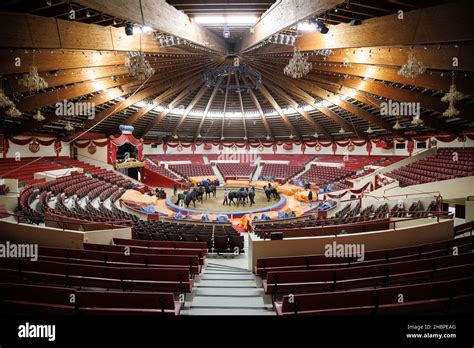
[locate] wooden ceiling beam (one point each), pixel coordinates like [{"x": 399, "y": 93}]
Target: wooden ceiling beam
[
  {"x": 313, "y": 123},
  {"x": 208, "y": 106},
  {"x": 278, "y": 109},
  {"x": 281, "y": 15},
  {"x": 180, "y": 97},
  {"x": 242, "y": 111},
  {"x": 448, "y": 22},
  {"x": 434, "y": 56},
  {"x": 161, "y": 16},
  {"x": 190, "y": 106},
  {"x": 224, "y": 108},
  {"x": 297, "y": 89},
  {"x": 261, "y": 113}
]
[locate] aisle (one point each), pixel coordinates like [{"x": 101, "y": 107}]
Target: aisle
[
  {"x": 225, "y": 287},
  {"x": 227, "y": 290}
]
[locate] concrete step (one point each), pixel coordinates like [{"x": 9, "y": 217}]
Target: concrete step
[
  {"x": 229, "y": 291},
  {"x": 228, "y": 302},
  {"x": 227, "y": 311}
]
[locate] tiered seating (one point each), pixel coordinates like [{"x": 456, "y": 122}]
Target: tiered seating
[
  {"x": 423, "y": 266},
  {"x": 293, "y": 160},
  {"x": 101, "y": 267},
  {"x": 72, "y": 163},
  {"x": 224, "y": 239},
  {"x": 190, "y": 170},
  {"x": 115, "y": 179},
  {"x": 25, "y": 169},
  {"x": 347, "y": 215},
  {"x": 236, "y": 170},
  {"x": 322, "y": 175},
  {"x": 194, "y": 159},
  {"x": 161, "y": 170},
  {"x": 282, "y": 172},
  {"x": 445, "y": 164}
]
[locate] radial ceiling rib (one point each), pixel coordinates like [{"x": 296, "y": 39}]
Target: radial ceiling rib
[
  {"x": 260, "y": 112},
  {"x": 191, "y": 105},
  {"x": 181, "y": 96},
  {"x": 244, "y": 124},
  {"x": 208, "y": 106},
  {"x": 315, "y": 125},
  {"x": 275, "y": 105},
  {"x": 224, "y": 108}
]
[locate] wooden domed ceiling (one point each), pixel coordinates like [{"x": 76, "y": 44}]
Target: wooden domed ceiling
[{"x": 354, "y": 67}]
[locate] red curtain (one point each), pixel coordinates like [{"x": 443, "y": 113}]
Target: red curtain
[
  {"x": 87, "y": 144},
  {"x": 288, "y": 147},
  {"x": 29, "y": 140},
  {"x": 207, "y": 146},
  {"x": 123, "y": 139}
]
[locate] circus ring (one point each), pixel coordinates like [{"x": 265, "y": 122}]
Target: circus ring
[{"x": 217, "y": 208}]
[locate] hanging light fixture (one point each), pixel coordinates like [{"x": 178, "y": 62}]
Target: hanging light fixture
[
  {"x": 291, "y": 136},
  {"x": 397, "y": 126},
  {"x": 412, "y": 68},
  {"x": 4, "y": 100},
  {"x": 68, "y": 126},
  {"x": 369, "y": 130},
  {"x": 315, "y": 135},
  {"x": 298, "y": 65},
  {"x": 139, "y": 67},
  {"x": 33, "y": 81},
  {"x": 13, "y": 112},
  {"x": 341, "y": 131},
  {"x": 268, "y": 137},
  {"x": 417, "y": 121},
  {"x": 38, "y": 116},
  {"x": 452, "y": 97}
]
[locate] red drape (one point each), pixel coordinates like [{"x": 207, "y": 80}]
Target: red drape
[{"x": 88, "y": 143}]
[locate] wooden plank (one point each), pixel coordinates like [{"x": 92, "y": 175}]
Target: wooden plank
[
  {"x": 161, "y": 16},
  {"x": 450, "y": 22},
  {"x": 76, "y": 35},
  {"x": 284, "y": 14}
]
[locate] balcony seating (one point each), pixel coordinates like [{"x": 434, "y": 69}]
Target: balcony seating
[
  {"x": 190, "y": 170},
  {"x": 445, "y": 164},
  {"x": 236, "y": 170},
  {"x": 162, "y": 171},
  {"x": 281, "y": 172}
]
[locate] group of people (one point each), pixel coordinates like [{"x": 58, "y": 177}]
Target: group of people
[{"x": 158, "y": 192}]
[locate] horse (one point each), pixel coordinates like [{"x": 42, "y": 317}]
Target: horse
[
  {"x": 192, "y": 196},
  {"x": 181, "y": 196},
  {"x": 242, "y": 198},
  {"x": 232, "y": 195},
  {"x": 275, "y": 193},
  {"x": 200, "y": 194},
  {"x": 268, "y": 193},
  {"x": 210, "y": 189}
]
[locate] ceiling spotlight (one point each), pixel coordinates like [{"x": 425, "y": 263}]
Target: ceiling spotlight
[
  {"x": 369, "y": 130},
  {"x": 316, "y": 135},
  {"x": 268, "y": 137},
  {"x": 88, "y": 14},
  {"x": 222, "y": 138},
  {"x": 341, "y": 130},
  {"x": 291, "y": 136},
  {"x": 68, "y": 126},
  {"x": 115, "y": 21},
  {"x": 245, "y": 138},
  {"x": 320, "y": 26},
  {"x": 199, "y": 136},
  {"x": 397, "y": 126},
  {"x": 355, "y": 22},
  {"x": 49, "y": 3},
  {"x": 226, "y": 32},
  {"x": 175, "y": 136},
  {"x": 128, "y": 29}
]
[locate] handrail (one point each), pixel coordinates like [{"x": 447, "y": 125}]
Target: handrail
[
  {"x": 403, "y": 194},
  {"x": 62, "y": 223},
  {"x": 388, "y": 216}
]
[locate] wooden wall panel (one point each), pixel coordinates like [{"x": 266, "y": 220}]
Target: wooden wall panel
[{"x": 75, "y": 35}]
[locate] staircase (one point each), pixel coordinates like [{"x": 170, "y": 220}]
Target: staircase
[
  {"x": 227, "y": 290},
  {"x": 217, "y": 172},
  {"x": 257, "y": 172}
]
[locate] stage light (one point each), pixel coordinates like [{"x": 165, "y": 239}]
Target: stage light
[
  {"x": 88, "y": 14},
  {"x": 319, "y": 25},
  {"x": 355, "y": 22},
  {"x": 128, "y": 29},
  {"x": 226, "y": 32}
]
